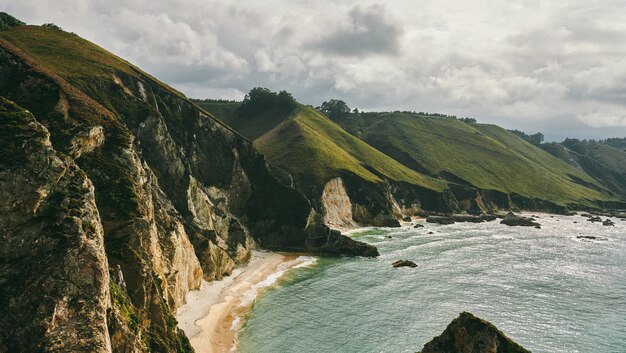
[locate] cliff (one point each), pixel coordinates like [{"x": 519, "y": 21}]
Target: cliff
[
  {"x": 118, "y": 195},
  {"x": 469, "y": 334}
]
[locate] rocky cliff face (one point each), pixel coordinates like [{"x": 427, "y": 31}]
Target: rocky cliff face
[
  {"x": 54, "y": 274},
  {"x": 118, "y": 196},
  {"x": 337, "y": 208},
  {"x": 469, "y": 334}
]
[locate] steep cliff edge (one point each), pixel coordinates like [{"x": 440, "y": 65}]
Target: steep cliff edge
[
  {"x": 54, "y": 275},
  {"x": 133, "y": 196},
  {"x": 469, "y": 334}
]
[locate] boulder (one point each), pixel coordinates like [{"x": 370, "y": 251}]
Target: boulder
[
  {"x": 594, "y": 219},
  {"x": 512, "y": 219},
  {"x": 404, "y": 263},
  {"x": 467, "y": 333},
  {"x": 440, "y": 219},
  {"x": 419, "y": 225},
  {"x": 488, "y": 217},
  {"x": 422, "y": 213},
  {"x": 467, "y": 218},
  {"x": 406, "y": 219},
  {"x": 608, "y": 222}
]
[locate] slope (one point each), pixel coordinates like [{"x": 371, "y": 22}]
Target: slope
[
  {"x": 604, "y": 162},
  {"x": 486, "y": 157}
]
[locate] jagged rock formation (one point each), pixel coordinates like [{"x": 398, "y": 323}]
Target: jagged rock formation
[
  {"x": 469, "y": 334},
  {"x": 118, "y": 196}
]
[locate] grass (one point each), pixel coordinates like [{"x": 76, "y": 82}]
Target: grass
[
  {"x": 313, "y": 147},
  {"x": 73, "y": 58},
  {"x": 485, "y": 156}
]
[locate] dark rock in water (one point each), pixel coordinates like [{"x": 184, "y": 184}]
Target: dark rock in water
[
  {"x": 591, "y": 237},
  {"x": 440, "y": 219},
  {"x": 404, "y": 263},
  {"x": 385, "y": 221},
  {"x": 466, "y": 218},
  {"x": 512, "y": 219},
  {"x": 594, "y": 219},
  {"x": 608, "y": 222},
  {"x": 419, "y": 225},
  {"x": 406, "y": 219},
  {"x": 469, "y": 334},
  {"x": 575, "y": 222},
  {"x": 422, "y": 213},
  {"x": 585, "y": 215},
  {"x": 431, "y": 233},
  {"x": 488, "y": 217},
  {"x": 500, "y": 214},
  {"x": 538, "y": 226},
  {"x": 388, "y": 237}
]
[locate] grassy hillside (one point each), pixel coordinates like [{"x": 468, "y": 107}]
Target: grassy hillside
[
  {"x": 605, "y": 162},
  {"x": 484, "y": 156},
  {"x": 316, "y": 149}
]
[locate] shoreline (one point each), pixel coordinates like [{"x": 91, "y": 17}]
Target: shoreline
[{"x": 214, "y": 314}]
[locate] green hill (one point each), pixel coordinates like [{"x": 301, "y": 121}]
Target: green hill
[
  {"x": 469, "y": 166},
  {"x": 314, "y": 150},
  {"x": 484, "y": 156},
  {"x": 606, "y": 162}
]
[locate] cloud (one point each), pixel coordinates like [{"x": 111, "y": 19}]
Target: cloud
[
  {"x": 365, "y": 31},
  {"x": 553, "y": 66}
]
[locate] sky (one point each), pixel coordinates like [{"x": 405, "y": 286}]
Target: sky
[{"x": 558, "y": 67}]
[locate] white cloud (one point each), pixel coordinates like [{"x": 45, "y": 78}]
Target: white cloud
[{"x": 546, "y": 65}]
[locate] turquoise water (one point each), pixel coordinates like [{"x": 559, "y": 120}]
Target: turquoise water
[{"x": 546, "y": 289}]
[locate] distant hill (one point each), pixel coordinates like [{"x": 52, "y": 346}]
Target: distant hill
[
  {"x": 603, "y": 160},
  {"x": 410, "y": 161}
]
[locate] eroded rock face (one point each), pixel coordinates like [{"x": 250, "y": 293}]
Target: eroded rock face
[
  {"x": 469, "y": 334},
  {"x": 54, "y": 275},
  {"x": 336, "y": 205}
]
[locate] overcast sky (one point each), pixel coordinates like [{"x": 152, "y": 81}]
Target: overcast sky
[{"x": 553, "y": 66}]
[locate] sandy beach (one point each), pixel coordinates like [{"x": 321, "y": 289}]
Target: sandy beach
[{"x": 213, "y": 315}]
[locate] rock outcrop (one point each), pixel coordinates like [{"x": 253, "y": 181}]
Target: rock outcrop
[
  {"x": 469, "y": 334},
  {"x": 404, "y": 263},
  {"x": 512, "y": 219},
  {"x": 336, "y": 205},
  {"x": 440, "y": 219},
  {"x": 54, "y": 274}
]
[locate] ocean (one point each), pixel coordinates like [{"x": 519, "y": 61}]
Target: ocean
[{"x": 547, "y": 289}]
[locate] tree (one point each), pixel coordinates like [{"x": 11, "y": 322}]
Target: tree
[
  {"x": 334, "y": 108},
  {"x": 260, "y": 99}
]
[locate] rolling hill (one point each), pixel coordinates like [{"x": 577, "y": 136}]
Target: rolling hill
[{"x": 416, "y": 161}]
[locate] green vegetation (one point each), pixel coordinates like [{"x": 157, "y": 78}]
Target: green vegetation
[
  {"x": 7, "y": 21},
  {"x": 424, "y": 149},
  {"x": 315, "y": 149},
  {"x": 334, "y": 108},
  {"x": 484, "y": 156},
  {"x": 120, "y": 300}
]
